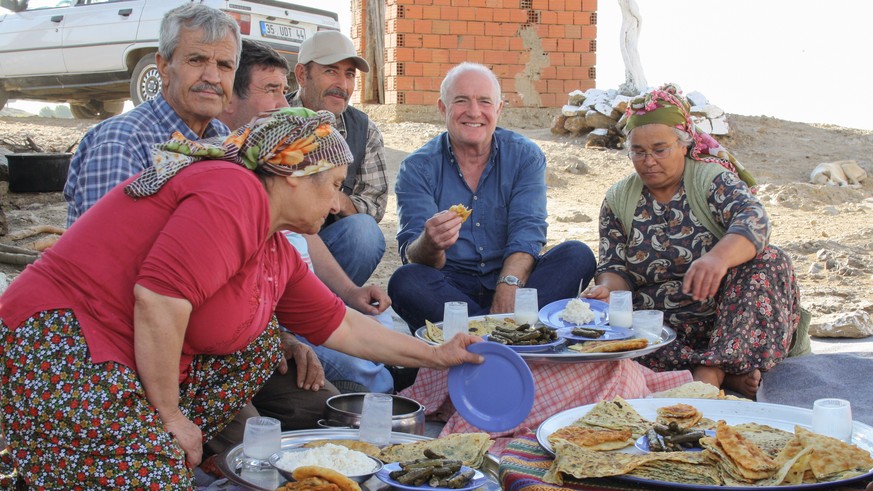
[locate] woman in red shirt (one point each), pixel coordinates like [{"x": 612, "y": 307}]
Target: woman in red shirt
[{"x": 142, "y": 332}]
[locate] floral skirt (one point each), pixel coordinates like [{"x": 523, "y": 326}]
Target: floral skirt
[
  {"x": 73, "y": 424},
  {"x": 757, "y": 312}
]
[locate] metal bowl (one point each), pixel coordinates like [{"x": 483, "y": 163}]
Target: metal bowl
[
  {"x": 344, "y": 411},
  {"x": 359, "y": 478}
]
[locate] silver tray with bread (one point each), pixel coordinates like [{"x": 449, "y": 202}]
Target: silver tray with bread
[
  {"x": 570, "y": 352},
  {"x": 230, "y": 461}
]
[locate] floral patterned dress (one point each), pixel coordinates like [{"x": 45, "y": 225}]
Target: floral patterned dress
[{"x": 750, "y": 322}]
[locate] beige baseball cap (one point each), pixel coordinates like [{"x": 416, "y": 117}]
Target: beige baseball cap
[{"x": 328, "y": 47}]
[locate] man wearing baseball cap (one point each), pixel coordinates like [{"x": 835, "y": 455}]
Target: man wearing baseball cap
[{"x": 326, "y": 72}]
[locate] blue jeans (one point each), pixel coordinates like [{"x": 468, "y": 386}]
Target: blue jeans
[
  {"x": 420, "y": 292},
  {"x": 340, "y": 366},
  {"x": 357, "y": 244}
]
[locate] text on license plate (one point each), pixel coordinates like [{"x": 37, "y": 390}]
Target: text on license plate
[{"x": 278, "y": 31}]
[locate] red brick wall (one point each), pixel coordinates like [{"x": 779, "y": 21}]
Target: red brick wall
[{"x": 539, "y": 49}]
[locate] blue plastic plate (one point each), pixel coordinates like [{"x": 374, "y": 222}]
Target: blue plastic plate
[
  {"x": 550, "y": 315},
  {"x": 496, "y": 395},
  {"x": 531, "y": 348},
  {"x": 610, "y": 334},
  {"x": 642, "y": 443},
  {"x": 479, "y": 479}
]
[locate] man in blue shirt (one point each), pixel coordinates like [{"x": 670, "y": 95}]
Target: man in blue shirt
[
  {"x": 198, "y": 52},
  {"x": 498, "y": 174}
]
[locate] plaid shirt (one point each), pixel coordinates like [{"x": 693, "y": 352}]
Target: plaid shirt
[
  {"x": 370, "y": 194},
  {"x": 120, "y": 147}
]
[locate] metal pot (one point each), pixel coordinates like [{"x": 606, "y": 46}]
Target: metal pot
[
  {"x": 344, "y": 411},
  {"x": 37, "y": 172}
]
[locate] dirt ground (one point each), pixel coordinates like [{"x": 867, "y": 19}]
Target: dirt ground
[{"x": 827, "y": 230}]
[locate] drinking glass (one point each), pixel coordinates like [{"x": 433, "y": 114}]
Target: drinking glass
[
  {"x": 833, "y": 417},
  {"x": 454, "y": 320},
  {"x": 376, "y": 418},
  {"x": 527, "y": 308},
  {"x": 261, "y": 439},
  {"x": 621, "y": 309},
  {"x": 648, "y": 323}
]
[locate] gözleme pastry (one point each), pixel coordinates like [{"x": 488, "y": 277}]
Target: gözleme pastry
[{"x": 748, "y": 454}]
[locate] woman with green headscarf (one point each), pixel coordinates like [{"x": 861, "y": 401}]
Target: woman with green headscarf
[
  {"x": 687, "y": 236},
  {"x": 153, "y": 320}
]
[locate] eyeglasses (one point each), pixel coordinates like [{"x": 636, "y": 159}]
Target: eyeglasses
[{"x": 661, "y": 153}]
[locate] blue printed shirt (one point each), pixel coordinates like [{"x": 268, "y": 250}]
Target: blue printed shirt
[
  {"x": 508, "y": 206},
  {"x": 120, "y": 147}
]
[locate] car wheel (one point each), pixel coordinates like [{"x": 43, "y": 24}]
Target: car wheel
[
  {"x": 145, "y": 82},
  {"x": 96, "y": 109}
]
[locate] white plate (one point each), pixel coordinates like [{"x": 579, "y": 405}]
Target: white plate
[{"x": 732, "y": 412}]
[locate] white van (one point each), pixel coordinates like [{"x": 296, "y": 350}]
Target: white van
[{"x": 95, "y": 54}]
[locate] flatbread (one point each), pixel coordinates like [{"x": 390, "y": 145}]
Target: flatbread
[
  {"x": 476, "y": 327},
  {"x": 573, "y": 460},
  {"x": 770, "y": 440},
  {"x": 309, "y": 471},
  {"x": 469, "y": 448},
  {"x": 749, "y": 459},
  {"x": 610, "y": 346},
  {"x": 462, "y": 211},
  {"x": 684, "y": 415},
  {"x": 594, "y": 439},
  {"x": 703, "y": 473},
  {"x": 367, "y": 448},
  {"x": 616, "y": 414},
  {"x": 832, "y": 457}
]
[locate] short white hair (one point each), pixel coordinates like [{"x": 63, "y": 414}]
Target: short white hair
[{"x": 456, "y": 71}]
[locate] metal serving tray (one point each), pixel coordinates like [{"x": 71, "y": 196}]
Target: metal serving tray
[
  {"x": 560, "y": 354},
  {"x": 230, "y": 460}
]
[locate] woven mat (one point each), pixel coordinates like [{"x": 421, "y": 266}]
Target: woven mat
[{"x": 524, "y": 462}]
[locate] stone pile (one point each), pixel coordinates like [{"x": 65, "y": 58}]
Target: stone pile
[{"x": 598, "y": 113}]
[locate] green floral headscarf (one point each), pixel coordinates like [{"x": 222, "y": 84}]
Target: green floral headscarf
[
  {"x": 284, "y": 142},
  {"x": 666, "y": 105}
]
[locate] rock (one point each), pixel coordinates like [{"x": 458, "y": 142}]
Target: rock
[
  {"x": 576, "y": 98},
  {"x": 702, "y": 123},
  {"x": 620, "y": 103},
  {"x": 720, "y": 126},
  {"x": 695, "y": 98},
  {"x": 558, "y": 125},
  {"x": 576, "y": 125},
  {"x": 577, "y": 217},
  {"x": 708, "y": 111},
  {"x": 553, "y": 179},
  {"x": 855, "y": 324},
  {"x": 4, "y": 282},
  {"x": 577, "y": 168},
  {"x": 4, "y": 170},
  {"x": 830, "y": 210},
  {"x": 596, "y": 119},
  {"x": 815, "y": 268},
  {"x": 570, "y": 110}
]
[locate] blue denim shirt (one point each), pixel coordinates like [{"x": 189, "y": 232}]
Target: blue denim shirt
[
  {"x": 508, "y": 206},
  {"x": 120, "y": 147}
]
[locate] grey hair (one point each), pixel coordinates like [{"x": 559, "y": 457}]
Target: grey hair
[
  {"x": 215, "y": 25},
  {"x": 462, "y": 68},
  {"x": 685, "y": 138}
]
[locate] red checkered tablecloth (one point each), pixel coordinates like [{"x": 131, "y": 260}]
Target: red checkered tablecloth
[{"x": 557, "y": 387}]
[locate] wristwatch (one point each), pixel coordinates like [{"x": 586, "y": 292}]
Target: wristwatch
[{"x": 510, "y": 280}]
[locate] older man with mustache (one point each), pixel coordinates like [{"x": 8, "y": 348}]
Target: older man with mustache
[
  {"x": 326, "y": 72},
  {"x": 198, "y": 52}
]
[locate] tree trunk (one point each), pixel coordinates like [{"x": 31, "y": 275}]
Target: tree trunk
[
  {"x": 374, "y": 52},
  {"x": 631, "y": 23}
]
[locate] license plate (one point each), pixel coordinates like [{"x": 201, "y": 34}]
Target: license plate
[{"x": 278, "y": 31}]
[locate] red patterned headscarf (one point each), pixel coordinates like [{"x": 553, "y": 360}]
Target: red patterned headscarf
[
  {"x": 285, "y": 142},
  {"x": 666, "y": 105}
]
